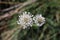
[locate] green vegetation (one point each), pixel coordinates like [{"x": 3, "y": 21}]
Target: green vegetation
[{"x": 50, "y": 9}]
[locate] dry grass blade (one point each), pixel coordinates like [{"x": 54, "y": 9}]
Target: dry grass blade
[
  {"x": 11, "y": 3},
  {"x": 3, "y": 27},
  {"x": 17, "y": 10},
  {"x": 12, "y": 7},
  {"x": 42, "y": 34},
  {"x": 57, "y": 16},
  {"x": 6, "y": 35}
]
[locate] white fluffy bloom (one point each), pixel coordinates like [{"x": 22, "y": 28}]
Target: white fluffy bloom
[
  {"x": 25, "y": 20},
  {"x": 39, "y": 20}
]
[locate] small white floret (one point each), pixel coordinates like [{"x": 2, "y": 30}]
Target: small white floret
[
  {"x": 39, "y": 20},
  {"x": 25, "y": 20}
]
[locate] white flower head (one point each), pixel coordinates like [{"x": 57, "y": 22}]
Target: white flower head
[
  {"x": 39, "y": 20},
  {"x": 25, "y": 20}
]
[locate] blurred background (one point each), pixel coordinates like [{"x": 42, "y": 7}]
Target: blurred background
[{"x": 10, "y": 9}]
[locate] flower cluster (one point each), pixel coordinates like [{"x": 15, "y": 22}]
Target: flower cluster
[{"x": 27, "y": 20}]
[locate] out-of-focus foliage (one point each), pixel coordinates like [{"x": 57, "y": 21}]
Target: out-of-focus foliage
[{"x": 49, "y": 31}]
